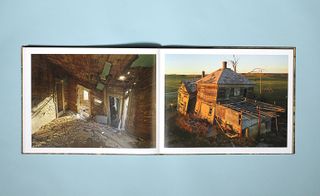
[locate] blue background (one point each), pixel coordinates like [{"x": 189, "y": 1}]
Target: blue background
[{"x": 225, "y": 22}]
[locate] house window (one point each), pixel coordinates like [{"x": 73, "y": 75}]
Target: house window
[
  {"x": 222, "y": 93},
  {"x": 231, "y": 92},
  {"x": 210, "y": 111},
  {"x": 236, "y": 91},
  {"x": 85, "y": 95},
  {"x": 227, "y": 93},
  {"x": 244, "y": 92}
]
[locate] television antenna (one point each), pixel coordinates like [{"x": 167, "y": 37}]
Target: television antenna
[{"x": 258, "y": 70}]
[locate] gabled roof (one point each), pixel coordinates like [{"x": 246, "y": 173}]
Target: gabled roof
[{"x": 225, "y": 76}]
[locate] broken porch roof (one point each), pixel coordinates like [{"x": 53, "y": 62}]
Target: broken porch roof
[{"x": 255, "y": 108}]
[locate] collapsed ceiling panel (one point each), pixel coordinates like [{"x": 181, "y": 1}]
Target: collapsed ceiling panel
[
  {"x": 100, "y": 86},
  {"x": 106, "y": 71},
  {"x": 146, "y": 60}
]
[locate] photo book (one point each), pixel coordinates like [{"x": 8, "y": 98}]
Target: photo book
[{"x": 158, "y": 100}]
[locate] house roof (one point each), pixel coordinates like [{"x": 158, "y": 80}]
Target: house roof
[
  {"x": 190, "y": 85},
  {"x": 225, "y": 76}
]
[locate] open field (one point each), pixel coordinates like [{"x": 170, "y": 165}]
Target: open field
[{"x": 274, "y": 87}]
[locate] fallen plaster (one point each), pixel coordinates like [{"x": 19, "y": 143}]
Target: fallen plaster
[{"x": 72, "y": 131}]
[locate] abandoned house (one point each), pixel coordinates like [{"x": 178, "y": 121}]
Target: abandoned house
[
  {"x": 223, "y": 97},
  {"x": 93, "y": 100}
]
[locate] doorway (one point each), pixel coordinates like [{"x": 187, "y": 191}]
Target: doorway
[
  {"x": 59, "y": 98},
  {"x": 114, "y": 104},
  {"x": 83, "y": 101}
]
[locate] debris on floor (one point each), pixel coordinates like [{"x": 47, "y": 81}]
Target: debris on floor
[{"x": 72, "y": 131}]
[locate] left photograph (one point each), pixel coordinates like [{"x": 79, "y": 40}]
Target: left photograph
[{"x": 92, "y": 100}]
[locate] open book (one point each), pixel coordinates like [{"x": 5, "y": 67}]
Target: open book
[{"x": 158, "y": 100}]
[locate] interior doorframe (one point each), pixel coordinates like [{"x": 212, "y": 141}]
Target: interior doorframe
[
  {"x": 120, "y": 105},
  {"x": 59, "y": 113},
  {"x": 80, "y": 87}
]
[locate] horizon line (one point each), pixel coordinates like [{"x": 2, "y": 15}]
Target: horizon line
[{"x": 236, "y": 72}]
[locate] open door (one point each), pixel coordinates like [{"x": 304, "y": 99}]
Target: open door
[
  {"x": 125, "y": 112},
  {"x": 59, "y": 98},
  {"x": 114, "y": 104}
]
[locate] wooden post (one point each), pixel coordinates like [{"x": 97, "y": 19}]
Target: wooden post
[
  {"x": 277, "y": 125},
  {"x": 260, "y": 80},
  {"x": 259, "y": 121},
  {"x": 63, "y": 98},
  {"x": 247, "y": 132}
]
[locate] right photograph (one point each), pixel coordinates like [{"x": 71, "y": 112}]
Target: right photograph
[{"x": 236, "y": 99}]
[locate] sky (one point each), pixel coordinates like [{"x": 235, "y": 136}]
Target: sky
[{"x": 196, "y": 63}]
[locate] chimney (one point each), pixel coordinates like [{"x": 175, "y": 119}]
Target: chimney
[
  {"x": 203, "y": 74},
  {"x": 224, "y": 64}
]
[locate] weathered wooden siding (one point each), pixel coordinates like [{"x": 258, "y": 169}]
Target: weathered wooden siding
[
  {"x": 206, "y": 101},
  {"x": 229, "y": 117},
  {"x": 72, "y": 94},
  {"x": 207, "y": 92},
  {"x": 141, "y": 117},
  {"x": 43, "y": 104},
  {"x": 42, "y": 80},
  {"x": 44, "y": 95},
  {"x": 183, "y": 100}
]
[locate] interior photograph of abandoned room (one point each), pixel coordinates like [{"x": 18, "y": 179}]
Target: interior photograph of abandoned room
[{"x": 93, "y": 100}]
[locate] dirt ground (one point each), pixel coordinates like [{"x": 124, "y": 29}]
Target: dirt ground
[{"x": 72, "y": 131}]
